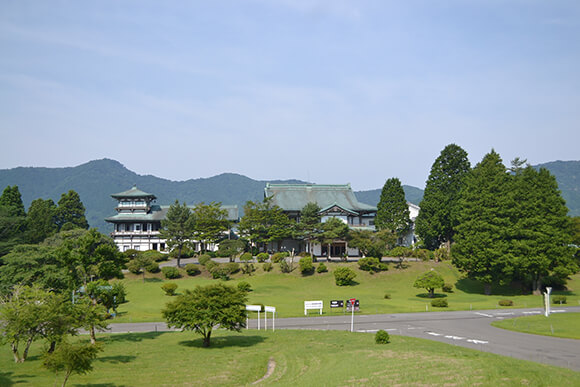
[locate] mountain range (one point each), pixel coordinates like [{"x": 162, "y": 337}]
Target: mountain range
[{"x": 96, "y": 180}]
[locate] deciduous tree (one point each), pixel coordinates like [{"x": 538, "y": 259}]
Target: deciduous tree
[
  {"x": 264, "y": 222},
  {"x": 429, "y": 281},
  {"x": 71, "y": 358}
]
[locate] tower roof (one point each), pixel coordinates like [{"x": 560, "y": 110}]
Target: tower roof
[{"x": 133, "y": 193}]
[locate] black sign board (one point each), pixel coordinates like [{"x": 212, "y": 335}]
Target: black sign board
[
  {"x": 337, "y": 304},
  {"x": 356, "y": 306}
]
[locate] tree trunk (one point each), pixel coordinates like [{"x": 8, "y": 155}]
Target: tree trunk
[
  {"x": 537, "y": 285},
  {"x": 92, "y": 334},
  {"x": 206, "y": 339},
  {"x": 66, "y": 376},
  {"x": 431, "y": 293},
  {"x": 15, "y": 353},
  {"x": 25, "y": 353},
  {"x": 487, "y": 289},
  {"x": 52, "y": 346}
]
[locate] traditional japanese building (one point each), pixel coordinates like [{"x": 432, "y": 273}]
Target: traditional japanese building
[
  {"x": 138, "y": 220},
  {"x": 335, "y": 201}
]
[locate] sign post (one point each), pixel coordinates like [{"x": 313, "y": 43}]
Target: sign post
[
  {"x": 352, "y": 301},
  {"x": 271, "y": 309},
  {"x": 547, "y": 301},
  {"x": 254, "y": 308}
]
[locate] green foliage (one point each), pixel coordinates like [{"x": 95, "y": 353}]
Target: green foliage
[
  {"x": 430, "y": 281},
  {"x": 321, "y": 268},
  {"x": 437, "y": 220},
  {"x": 440, "y": 303},
  {"x": 154, "y": 255},
  {"x": 248, "y": 257},
  {"x": 333, "y": 230},
  {"x": 387, "y": 296},
  {"x": 12, "y": 199},
  {"x": 264, "y": 222},
  {"x": 401, "y": 251},
  {"x": 192, "y": 269},
  {"x": 209, "y": 222},
  {"x": 267, "y": 266},
  {"x": 309, "y": 227},
  {"x": 170, "y": 272},
  {"x": 370, "y": 264},
  {"x": 71, "y": 358},
  {"x": 41, "y": 220},
  {"x": 285, "y": 266},
  {"x": 244, "y": 286},
  {"x": 423, "y": 254},
  {"x": 12, "y": 220},
  {"x": 153, "y": 267},
  {"x": 204, "y": 259},
  {"x": 71, "y": 211},
  {"x": 232, "y": 267},
  {"x": 505, "y": 303},
  {"x": 441, "y": 254},
  {"x": 248, "y": 268},
  {"x": 558, "y": 299},
  {"x": 447, "y": 288},
  {"x": 262, "y": 257},
  {"x": 344, "y": 276},
  {"x": 203, "y": 308},
  {"x": 178, "y": 228},
  {"x": 393, "y": 210},
  {"x": 169, "y": 288},
  {"x": 277, "y": 257},
  {"x": 372, "y": 244},
  {"x": 382, "y": 337},
  {"x": 306, "y": 266}
]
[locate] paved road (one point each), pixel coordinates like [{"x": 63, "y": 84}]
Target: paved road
[{"x": 469, "y": 329}]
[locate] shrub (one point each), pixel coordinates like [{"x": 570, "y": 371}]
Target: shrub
[
  {"x": 558, "y": 299},
  {"x": 192, "y": 269},
  {"x": 169, "y": 288},
  {"x": 277, "y": 257},
  {"x": 232, "y": 267},
  {"x": 423, "y": 254},
  {"x": 223, "y": 253},
  {"x": 204, "y": 259},
  {"x": 369, "y": 264},
  {"x": 439, "y": 303},
  {"x": 153, "y": 267},
  {"x": 246, "y": 257},
  {"x": 447, "y": 288},
  {"x": 441, "y": 254},
  {"x": 134, "y": 266},
  {"x": 306, "y": 266},
  {"x": 384, "y": 266},
  {"x": 344, "y": 276},
  {"x": 219, "y": 271},
  {"x": 505, "y": 303},
  {"x": 211, "y": 254},
  {"x": 170, "y": 272},
  {"x": 245, "y": 286},
  {"x": 248, "y": 268},
  {"x": 210, "y": 265},
  {"x": 401, "y": 251},
  {"x": 387, "y": 296},
  {"x": 267, "y": 266},
  {"x": 284, "y": 266},
  {"x": 262, "y": 257},
  {"x": 155, "y": 255},
  {"x": 321, "y": 268},
  {"x": 382, "y": 337},
  {"x": 186, "y": 252}
]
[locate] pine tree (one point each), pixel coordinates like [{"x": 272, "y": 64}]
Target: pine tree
[
  {"x": 393, "y": 210},
  {"x": 178, "y": 228},
  {"x": 41, "y": 220},
  {"x": 71, "y": 211},
  {"x": 482, "y": 246},
  {"x": 12, "y": 219},
  {"x": 437, "y": 218},
  {"x": 12, "y": 199}
]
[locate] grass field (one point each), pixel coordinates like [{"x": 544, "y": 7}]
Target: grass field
[
  {"x": 287, "y": 292},
  {"x": 306, "y": 358},
  {"x": 557, "y": 324}
]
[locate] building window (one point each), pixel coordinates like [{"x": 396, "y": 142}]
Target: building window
[
  {"x": 139, "y": 203},
  {"x": 137, "y": 226},
  {"x": 162, "y": 246}
]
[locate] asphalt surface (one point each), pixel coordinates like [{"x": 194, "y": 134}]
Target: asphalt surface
[{"x": 470, "y": 329}]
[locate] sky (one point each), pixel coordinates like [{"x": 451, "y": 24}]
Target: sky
[{"x": 326, "y": 91}]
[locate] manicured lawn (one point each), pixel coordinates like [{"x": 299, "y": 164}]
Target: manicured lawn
[
  {"x": 287, "y": 292},
  {"x": 306, "y": 358},
  {"x": 557, "y": 324}
]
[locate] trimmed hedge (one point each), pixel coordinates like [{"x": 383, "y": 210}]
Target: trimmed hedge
[
  {"x": 262, "y": 257},
  {"x": 170, "y": 272},
  {"x": 344, "y": 276},
  {"x": 439, "y": 303},
  {"x": 558, "y": 299},
  {"x": 321, "y": 268},
  {"x": 505, "y": 303},
  {"x": 382, "y": 337},
  {"x": 169, "y": 288},
  {"x": 203, "y": 259},
  {"x": 192, "y": 269}
]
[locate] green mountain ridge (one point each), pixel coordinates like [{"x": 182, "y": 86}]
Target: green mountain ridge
[{"x": 96, "y": 180}]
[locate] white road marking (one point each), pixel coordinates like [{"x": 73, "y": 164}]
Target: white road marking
[
  {"x": 477, "y": 341},
  {"x": 532, "y": 312},
  {"x": 434, "y": 334},
  {"x": 454, "y": 337},
  {"x": 505, "y": 314},
  {"x": 483, "y": 314},
  {"x": 558, "y": 311},
  {"x": 416, "y": 328}
]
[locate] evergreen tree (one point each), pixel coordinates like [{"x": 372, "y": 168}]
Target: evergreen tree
[
  {"x": 264, "y": 222},
  {"x": 310, "y": 225},
  {"x": 437, "y": 219},
  {"x": 11, "y": 198},
  {"x": 71, "y": 212},
  {"x": 41, "y": 220},
  {"x": 393, "y": 210},
  {"x": 178, "y": 228},
  {"x": 12, "y": 219},
  {"x": 209, "y": 222},
  {"x": 541, "y": 229},
  {"x": 482, "y": 246}
]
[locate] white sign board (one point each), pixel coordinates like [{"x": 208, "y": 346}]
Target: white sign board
[
  {"x": 271, "y": 309},
  {"x": 312, "y": 305},
  {"x": 254, "y": 308}
]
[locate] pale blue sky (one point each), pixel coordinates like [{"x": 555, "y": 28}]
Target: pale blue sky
[{"x": 330, "y": 91}]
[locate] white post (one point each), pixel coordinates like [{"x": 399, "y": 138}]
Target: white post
[
  {"x": 547, "y": 301},
  {"x": 352, "y": 318},
  {"x": 258, "y": 320},
  {"x": 274, "y": 322},
  {"x": 265, "y": 320}
]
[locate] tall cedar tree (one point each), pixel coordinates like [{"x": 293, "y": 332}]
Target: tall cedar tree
[
  {"x": 437, "y": 220},
  {"x": 41, "y": 220},
  {"x": 12, "y": 219},
  {"x": 482, "y": 246},
  {"x": 210, "y": 222},
  {"x": 393, "y": 210},
  {"x": 264, "y": 222},
  {"x": 71, "y": 212},
  {"x": 178, "y": 228},
  {"x": 310, "y": 225},
  {"x": 542, "y": 237}
]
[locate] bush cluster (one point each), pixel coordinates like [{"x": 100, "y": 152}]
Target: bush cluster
[
  {"x": 248, "y": 268},
  {"x": 372, "y": 265},
  {"x": 267, "y": 266},
  {"x": 277, "y": 257},
  {"x": 505, "y": 303},
  {"x": 169, "y": 288},
  {"x": 245, "y": 286},
  {"x": 447, "y": 288},
  {"x": 558, "y": 299},
  {"x": 246, "y": 257},
  {"x": 262, "y": 257},
  {"x": 401, "y": 251},
  {"x": 170, "y": 272},
  {"x": 222, "y": 271},
  {"x": 440, "y": 303},
  {"x": 204, "y": 259},
  {"x": 192, "y": 269},
  {"x": 285, "y": 266},
  {"x": 153, "y": 267},
  {"x": 321, "y": 268},
  {"x": 306, "y": 266},
  {"x": 344, "y": 276},
  {"x": 382, "y": 337}
]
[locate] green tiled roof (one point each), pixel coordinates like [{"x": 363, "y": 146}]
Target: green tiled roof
[
  {"x": 158, "y": 213},
  {"x": 133, "y": 193},
  {"x": 293, "y": 197}
]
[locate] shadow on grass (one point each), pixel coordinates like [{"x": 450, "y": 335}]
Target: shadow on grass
[
  {"x": 436, "y": 295},
  {"x": 132, "y": 337},
  {"x": 471, "y": 286},
  {"x": 6, "y": 379},
  {"x": 153, "y": 280},
  {"x": 102, "y": 385},
  {"x": 117, "y": 359},
  {"x": 224, "y": 341}
]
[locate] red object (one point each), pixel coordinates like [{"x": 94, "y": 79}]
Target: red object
[{"x": 352, "y": 301}]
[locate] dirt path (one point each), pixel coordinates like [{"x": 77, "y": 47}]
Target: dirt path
[{"x": 269, "y": 372}]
